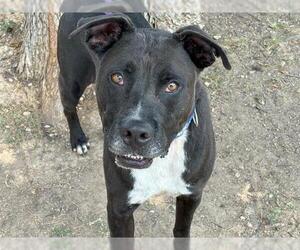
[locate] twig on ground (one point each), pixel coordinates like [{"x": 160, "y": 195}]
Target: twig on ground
[{"x": 290, "y": 75}]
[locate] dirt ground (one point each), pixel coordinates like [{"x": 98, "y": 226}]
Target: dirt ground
[{"x": 47, "y": 190}]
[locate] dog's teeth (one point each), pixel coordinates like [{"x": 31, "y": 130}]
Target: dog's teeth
[{"x": 134, "y": 157}]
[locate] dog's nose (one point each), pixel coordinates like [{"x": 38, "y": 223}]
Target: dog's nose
[{"x": 136, "y": 133}]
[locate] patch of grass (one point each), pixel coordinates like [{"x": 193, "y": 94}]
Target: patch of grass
[
  {"x": 291, "y": 205},
  {"x": 271, "y": 43},
  {"x": 16, "y": 127},
  {"x": 7, "y": 26},
  {"x": 274, "y": 215},
  {"x": 61, "y": 231},
  {"x": 279, "y": 26}
]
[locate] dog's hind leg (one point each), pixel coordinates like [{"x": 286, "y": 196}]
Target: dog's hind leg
[{"x": 70, "y": 92}]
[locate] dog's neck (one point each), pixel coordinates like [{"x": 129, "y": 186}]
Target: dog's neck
[{"x": 192, "y": 118}]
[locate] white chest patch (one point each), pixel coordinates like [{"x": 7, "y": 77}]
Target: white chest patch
[{"x": 164, "y": 175}]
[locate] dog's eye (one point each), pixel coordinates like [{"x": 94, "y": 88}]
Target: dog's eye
[
  {"x": 117, "y": 78},
  {"x": 172, "y": 87}
]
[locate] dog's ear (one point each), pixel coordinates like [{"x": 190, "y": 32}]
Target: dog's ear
[
  {"x": 102, "y": 31},
  {"x": 201, "y": 48}
]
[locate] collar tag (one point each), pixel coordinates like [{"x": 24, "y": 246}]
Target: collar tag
[{"x": 195, "y": 118}]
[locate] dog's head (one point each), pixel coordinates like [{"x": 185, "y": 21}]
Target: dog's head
[{"x": 146, "y": 81}]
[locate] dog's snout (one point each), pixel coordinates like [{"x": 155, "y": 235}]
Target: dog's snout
[{"x": 136, "y": 133}]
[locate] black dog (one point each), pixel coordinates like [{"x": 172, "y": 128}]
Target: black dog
[{"x": 155, "y": 112}]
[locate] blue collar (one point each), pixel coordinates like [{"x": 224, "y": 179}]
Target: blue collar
[{"x": 192, "y": 118}]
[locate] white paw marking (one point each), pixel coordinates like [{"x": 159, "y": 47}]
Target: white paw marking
[
  {"x": 79, "y": 150},
  {"x": 85, "y": 149},
  {"x": 82, "y": 149}
]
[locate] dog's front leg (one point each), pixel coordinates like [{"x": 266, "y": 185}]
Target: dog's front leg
[
  {"x": 118, "y": 184},
  {"x": 120, "y": 218},
  {"x": 185, "y": 209}
]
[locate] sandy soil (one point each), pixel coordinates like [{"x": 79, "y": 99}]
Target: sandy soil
[{"x": 47, "y": 190}]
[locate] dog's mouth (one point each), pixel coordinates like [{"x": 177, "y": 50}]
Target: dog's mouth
[
  {"x": 128, "y": 158},
  {"x": 132, "y": 161}
]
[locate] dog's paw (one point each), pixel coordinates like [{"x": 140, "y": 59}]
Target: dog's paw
[
  {"x": 80, "y": 144},
  {"x": 82, "y": 149}
]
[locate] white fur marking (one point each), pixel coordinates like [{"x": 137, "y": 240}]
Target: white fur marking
[
  {"x": 164, "y": 175},
  {"x": 136, "y": 114}
]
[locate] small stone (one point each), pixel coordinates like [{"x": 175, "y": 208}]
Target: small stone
[
  {"x": 207, "y": 84},
  {"x": 243, "y": 218},
  {"x": 249, "y": 225},
  {"x": 28, "y": 130},
  {"x": 237, "y": 175},
  {"x": 260, "y": 100},
  {"x": 26, "y": 113},
  {"x": 152, "y": 211},
  {"x": 10, "y": 80},
  {"x": 47, "y": 126},
  {"x": 217, "y": 37}
]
